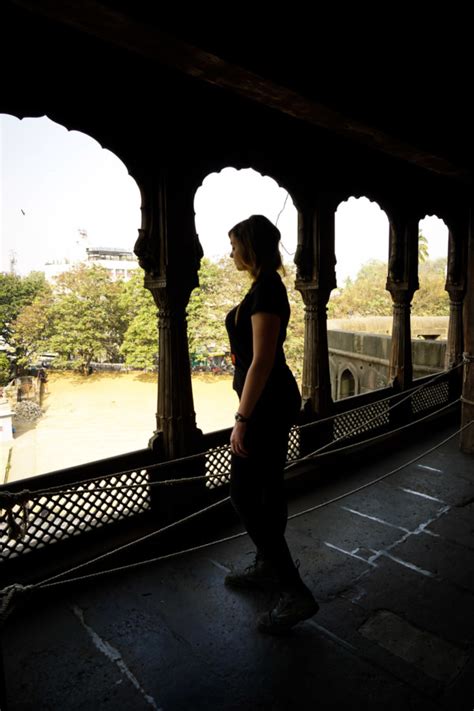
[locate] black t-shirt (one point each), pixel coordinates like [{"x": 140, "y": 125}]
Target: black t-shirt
[{"x": 267, "y": 295}]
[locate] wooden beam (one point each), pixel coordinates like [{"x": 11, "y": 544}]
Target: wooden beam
[{"x": 118, "y": 28}]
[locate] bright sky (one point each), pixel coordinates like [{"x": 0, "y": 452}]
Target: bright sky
[{"x": 55, "y": 182}]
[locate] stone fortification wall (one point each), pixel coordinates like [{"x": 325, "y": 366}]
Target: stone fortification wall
[{"x": 359, "y": 362}]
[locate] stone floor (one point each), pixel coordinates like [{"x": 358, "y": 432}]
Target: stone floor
[{"x": 392, "y": 567}]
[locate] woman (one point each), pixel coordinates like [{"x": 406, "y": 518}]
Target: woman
[{"x": 269, "y": 404}]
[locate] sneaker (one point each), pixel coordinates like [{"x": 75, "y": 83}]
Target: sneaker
[
  {"x": 294, "y": 606},
  {"x": 258, "y": 576}
]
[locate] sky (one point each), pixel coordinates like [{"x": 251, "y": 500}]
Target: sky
[{"x": 55, "y": 182}]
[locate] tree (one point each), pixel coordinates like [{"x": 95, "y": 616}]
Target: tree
[
  {"x": 431, "y": 299},
  {"x": 140, "y": 344},
  {"x": 422, "y": 248},
  {"x": 221, "y": 287},
  {"x": 294, "y": 344},
  {"x": 4, "y": 369},
  {"x": 32, "y": 329},
  {"x": 16, "y": 292},
  {"x": 88, "y": 320},
  {"x": 365, "y": 296}
]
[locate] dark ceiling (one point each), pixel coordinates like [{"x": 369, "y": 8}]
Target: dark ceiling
[{"x": 398, "y": 81}]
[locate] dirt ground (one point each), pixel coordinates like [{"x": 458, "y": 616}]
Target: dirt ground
[{"x": 89, "y": 418}]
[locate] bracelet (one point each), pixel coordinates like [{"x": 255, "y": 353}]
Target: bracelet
[{"x": 240, "y": 418}]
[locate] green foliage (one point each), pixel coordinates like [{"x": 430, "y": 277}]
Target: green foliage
[
  {"x": 87, "y": 319},
  {"x": 432, "y": 298},
  {"x": 16, "y": 292},
  {"x": 294, "y": 344},
  {"x": 367, "y": 296},
  {"x": 220, "y": 288},
  {"x": 4, "y": 369},
  {"x": 422, "y": 248},
  {"x": 140, "y": 340},
  {"x": 32, "y": 329}
]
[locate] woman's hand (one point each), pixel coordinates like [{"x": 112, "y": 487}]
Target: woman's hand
[{"x": 237, "y": 439}]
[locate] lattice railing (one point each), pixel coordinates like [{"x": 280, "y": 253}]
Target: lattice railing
[
  {"x": 218, "y": 459},
  {"x": 218, "y": 466},
  {"x": 366, "y": 419},
  {"x": 50, "y": 518},
  {"x": 431, "y": 396}
]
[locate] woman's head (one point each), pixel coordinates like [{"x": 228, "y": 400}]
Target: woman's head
[{"x": 255, "y": 245}]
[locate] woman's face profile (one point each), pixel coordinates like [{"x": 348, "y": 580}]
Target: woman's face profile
[{"x": 236, "y": 253}]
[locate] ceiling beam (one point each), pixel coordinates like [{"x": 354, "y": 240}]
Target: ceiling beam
[{"x": 118, "y": 28}]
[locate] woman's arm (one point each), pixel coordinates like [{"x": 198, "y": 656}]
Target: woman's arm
[{"x": 265, "y": 331}]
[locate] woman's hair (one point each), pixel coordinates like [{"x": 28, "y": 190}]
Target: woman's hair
[{"x": 259, "y": 239}]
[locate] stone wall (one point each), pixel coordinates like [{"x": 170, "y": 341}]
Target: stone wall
[{"x": 366, "y": 356}]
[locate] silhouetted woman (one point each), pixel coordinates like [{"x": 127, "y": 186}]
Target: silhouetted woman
[{"x": 269, "y": 402}]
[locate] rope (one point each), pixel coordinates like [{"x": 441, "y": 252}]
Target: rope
[
  {"x": 58, "y": 490},
  {"x": 468, "y": 402},
  {"x": 317, "y": 452},
  {"x": 7, "y": 598},
  {"x": 208, "y": 477},
  {"x": 468, "y": 358},
  {"x": 140, "y": 540},
  {"x": 385, "y": 476},
  {"x": 52, "y": 582},
  {"x": 410, "y": 394}
]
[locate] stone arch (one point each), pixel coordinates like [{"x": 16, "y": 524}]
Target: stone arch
[
  {"x": 217, "y": 209},
  {"x": 347, "y": 382},
  {"x": 63, "y": 192}
]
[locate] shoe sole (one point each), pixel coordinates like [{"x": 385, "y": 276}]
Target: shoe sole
[{"x": 269, "y": 626}]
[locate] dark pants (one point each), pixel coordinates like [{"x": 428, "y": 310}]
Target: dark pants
[{"x": 257, "y": 491}]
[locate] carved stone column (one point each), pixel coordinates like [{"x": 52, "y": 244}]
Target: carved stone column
[
  {"x": 176, "y": 431},
  {"x": 316, "y": 382},
  {"x": 402, "y": 282},
  {"x": 467, "y": 435},
  {"x": 456, "y": 288},
  {"x": 169, "y": 251},
  {"x": 315, "y": 262}
]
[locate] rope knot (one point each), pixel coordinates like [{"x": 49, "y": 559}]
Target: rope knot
[{"x": 8, "y": 596}]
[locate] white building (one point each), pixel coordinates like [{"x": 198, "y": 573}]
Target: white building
[{"x": 119, "y": 262}]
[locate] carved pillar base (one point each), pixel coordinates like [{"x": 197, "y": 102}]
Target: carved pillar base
[
  {"x": 454, "y": 345},
  {"x": 316, "y": 384},
  {"x": 401, "y": 367}
]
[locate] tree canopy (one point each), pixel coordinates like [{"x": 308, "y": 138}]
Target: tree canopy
[{"x": 85, "y": 316}]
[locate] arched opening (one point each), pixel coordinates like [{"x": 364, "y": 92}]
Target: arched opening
[
  {"x": 347, "y": 386},
  {"x": 70, "y": 218},
  {"x": 224, "y": 199},
  {"x": 430, "y": 306},
  {"x": 360, "y": 309}
]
